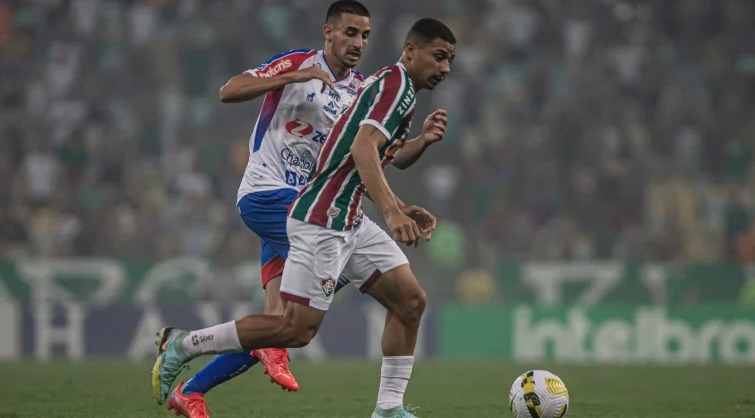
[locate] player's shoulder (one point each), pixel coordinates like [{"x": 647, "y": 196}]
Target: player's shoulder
[
  {"x": 291, "y": 58},
  {"x": 394, "y": 77}
]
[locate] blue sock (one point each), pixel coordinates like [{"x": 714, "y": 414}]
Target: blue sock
[{"x": 221, "y": 368}]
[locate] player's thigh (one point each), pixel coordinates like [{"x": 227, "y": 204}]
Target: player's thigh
[
  {"x": 304, "y": 321},
  {"x": 265, "y": 214},
  {"x": 379, "y": 267},
  {"x": 271, "y": 263},
  {"x": 314, "y": 262}
]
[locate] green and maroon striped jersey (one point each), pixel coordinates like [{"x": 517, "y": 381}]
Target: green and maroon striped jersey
[{"x": 332, "y": 197}]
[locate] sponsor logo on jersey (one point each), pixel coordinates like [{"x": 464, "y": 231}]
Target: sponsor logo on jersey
[
  {"x": 302, "y": 129},
  {"x": 352, "y": 88},
  {"x": 394, "y": 147},
  {"x": 331, "y": 108},
  {"x": 299, "y": 128},
  {"x": 405, "y": 103},
  {"x": 293, "y": 160},
  {"x": 334, "y": 95},
  {"x": 311, "y": 97},
  {"x": 276, "y": 69}
]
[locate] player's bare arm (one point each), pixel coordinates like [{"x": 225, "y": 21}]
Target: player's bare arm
[
  {"x": 244, "y": 87},
  {"x": 401, "y": 204},
  {"x": 364, "y": 150},
  {"x": 433, "y": 130}
]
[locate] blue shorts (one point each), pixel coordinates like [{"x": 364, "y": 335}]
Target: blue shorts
[{"x": 265, "y": 213}]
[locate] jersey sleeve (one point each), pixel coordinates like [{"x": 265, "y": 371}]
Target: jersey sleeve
[
  {"x": 394, "y": 100},
  {"x": 281, "y": 63}
]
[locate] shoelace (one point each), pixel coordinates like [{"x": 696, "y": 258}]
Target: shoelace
[
  {"x": 280, "y": 360},
  {"x": 197, "y": 406},
  {"x": 180, "y": 368},
  {"x": 409, "y": 411}
]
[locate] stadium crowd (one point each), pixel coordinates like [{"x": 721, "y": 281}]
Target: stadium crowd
[{"x": 587, "y": 129}]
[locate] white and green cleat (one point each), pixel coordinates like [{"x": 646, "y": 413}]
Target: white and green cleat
[
  {"x": 171, "y": 359},
  {"x": 397, "y": 412}
]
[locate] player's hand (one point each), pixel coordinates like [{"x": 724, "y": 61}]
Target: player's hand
[
  {"x": 434, "y": 127},
  {"x": 425, "y": 220},
  {"x": 403, "y": 228},
  {"x": 314, "y": 72}
]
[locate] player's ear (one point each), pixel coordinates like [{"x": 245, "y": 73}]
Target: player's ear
[
  {"x": 410, "y": 49},
  {"x": 327, "y": 32}
]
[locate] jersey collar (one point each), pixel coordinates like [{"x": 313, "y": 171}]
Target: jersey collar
[{"x": 326, "y": 67}]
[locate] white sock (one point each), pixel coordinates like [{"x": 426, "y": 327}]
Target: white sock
[
  {"x": 219, "y": 339},
  {"x": 394, "y": 376}
]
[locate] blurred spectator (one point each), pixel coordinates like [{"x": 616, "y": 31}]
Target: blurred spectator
[
  {"x": 476, "y": 286},
  {"x": 578, "y": 130}
]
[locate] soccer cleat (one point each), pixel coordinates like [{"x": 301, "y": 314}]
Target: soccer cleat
[
  {"x": 275, "y": 361},
  {"x": 190, "y": 406},
  {"x": 171, "y": 359},
  {"x": 397, "y": 412}
]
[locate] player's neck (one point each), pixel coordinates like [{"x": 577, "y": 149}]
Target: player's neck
[
  {"x": 402, "y": 60},
  {"x": 339, "y": 70}
]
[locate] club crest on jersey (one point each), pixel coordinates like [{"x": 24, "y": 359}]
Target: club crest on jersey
[
  {"x": 328, "y": 286},
  {"x": 311, "y": 97},
  {"x": 333, "y": 212}
]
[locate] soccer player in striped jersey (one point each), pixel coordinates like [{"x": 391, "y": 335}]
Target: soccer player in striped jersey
[
  {"x": 304, "y": 92},
  {"x": 329, "y": 234}
]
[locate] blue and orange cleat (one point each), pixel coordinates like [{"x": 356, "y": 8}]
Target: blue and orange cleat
[
  {"x": 190, "y": 406},
  {"x": 275, "y": 361},
  {"x": 171, "y": 359}
]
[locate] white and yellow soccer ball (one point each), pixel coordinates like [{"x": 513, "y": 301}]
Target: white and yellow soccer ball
[{"x": 538, "y": 394}]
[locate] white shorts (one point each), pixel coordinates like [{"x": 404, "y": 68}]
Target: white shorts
[{"x": 319, "y": 255}]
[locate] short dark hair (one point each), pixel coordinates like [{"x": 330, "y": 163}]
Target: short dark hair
[
  {"x": 428, "y": 29},
  {"x": 346, "y": 6}
]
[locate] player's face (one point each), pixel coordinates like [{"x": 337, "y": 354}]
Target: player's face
[
  {"x": 347, "y": 38},
  {"x": 429, "y": 63}
]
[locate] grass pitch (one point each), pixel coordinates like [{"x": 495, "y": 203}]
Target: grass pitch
[{"x": 348, "y": 389}]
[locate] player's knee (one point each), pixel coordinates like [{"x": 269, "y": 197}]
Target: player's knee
[
  {"x": 413, "y": 307},
  {"x": 418, "y": 303}
]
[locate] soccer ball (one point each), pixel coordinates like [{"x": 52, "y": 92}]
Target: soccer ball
[{"x": 538, "y": 394}]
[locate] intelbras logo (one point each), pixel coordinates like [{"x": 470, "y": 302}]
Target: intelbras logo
[{"x": 276, "y": 69}]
